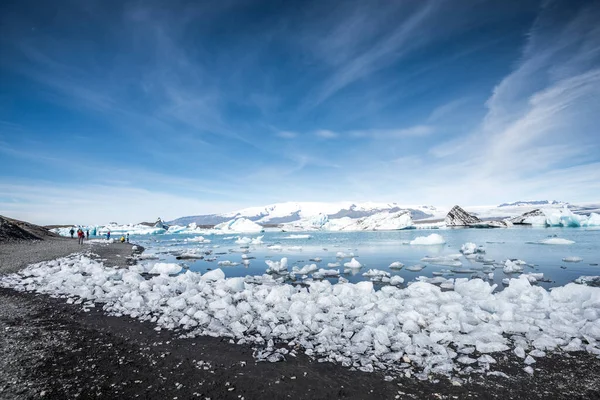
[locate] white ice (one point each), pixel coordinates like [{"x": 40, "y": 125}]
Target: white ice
[
  {"x": 432, "y": 239},
  {"x": 351, "y": 324}
]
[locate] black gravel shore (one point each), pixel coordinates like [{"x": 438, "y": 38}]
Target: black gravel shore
[{"x": 53, "y": 350}]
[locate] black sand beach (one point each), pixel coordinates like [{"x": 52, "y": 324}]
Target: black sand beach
[{"x": 53, "y": 350}]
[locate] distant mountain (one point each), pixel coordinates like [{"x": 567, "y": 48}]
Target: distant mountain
[
  {"x": 531, "y": 203},
  {"x": 281, "y": 213}
]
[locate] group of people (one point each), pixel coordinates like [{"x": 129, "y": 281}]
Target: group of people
[{"x": 80, "y": 234}]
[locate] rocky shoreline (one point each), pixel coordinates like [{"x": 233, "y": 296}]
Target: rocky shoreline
[{"x": 54, "y": 350}]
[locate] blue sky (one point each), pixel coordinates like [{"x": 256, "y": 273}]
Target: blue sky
[{"x": 127, "y": 110}]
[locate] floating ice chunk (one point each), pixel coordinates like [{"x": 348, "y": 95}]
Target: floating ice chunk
[
  {"x": 396, "y": 280},
  {"x": 432, "y": 239},
  {"x": 443, "y": 260},
  {"x": 214, "y": 275},
  {"x": 533, "y": 277},
  {"x": 326, "y": 273},
  {"x": 241, "y": 225},
  {"x": 415, "y": 268},
  {"x": 297, "y": 237},
  {"x": 376, "y": 275},
  {"x": 334, "y": 265},
  {"x": 295, "y": 248},
  {"x": 341, "y": 254},
  {"x": 396, "y": 265},
  {"x": 276, "y": 267},
  {"x": 556, "y": 241},
  {"x": 307, "y": 269},
  {"x": 588, "y": 280},
  {"x": 354, "y": 264},
  {"x": 275, "y": 247},
  {"x": 197, "y": 239},
  {"x": 165, "y": 269},
  {"x": 315, "y": 259},
  {"x": 227, "y": 263},
  {"x": 511, "y": 267},
  {"x": 573, "y": 259},
  {"x": 471, "y": 248}
]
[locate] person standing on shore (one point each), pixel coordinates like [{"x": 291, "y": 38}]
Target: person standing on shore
[
  {"x": 80, "y": 236},
  {"x": 127, "y": 237},
  {"x": 72, "y": 231},
  {"x": 87, "y": 234},
  {"x": 108, "y": 235}
]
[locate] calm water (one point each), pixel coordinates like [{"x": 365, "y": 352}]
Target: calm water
[{"x": 379, "y": 249}]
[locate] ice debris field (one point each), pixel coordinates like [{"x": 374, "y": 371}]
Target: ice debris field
[{"x": 416, "y": 330}]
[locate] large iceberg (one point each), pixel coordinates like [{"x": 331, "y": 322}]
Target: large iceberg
[
  {"x": 239, "y": 225},
  {"x": 383, "y": 221},
  {"x": 557, "y": 217}
]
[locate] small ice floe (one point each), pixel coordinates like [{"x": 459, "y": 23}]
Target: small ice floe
[
  {"x": 275, "y": 247},
  {"x": 326, "y": 273},
  {"x": 341, "y": 254},
  {"x": 295, "y": 248},
  {"x": 197, "y": 239},
  {"x": 227, "y": 263},
  {"x": 558, "y": 241},
  {"x": 307, "y": 269},
  {"x": 535, "y": 277},
  {"x": 277, "y": 267},
  {"x": 415, "y": 268},
  {"x": 377, "y": 275},
  {"x": 513, "y": 266},
  {"x": 354, "y": 264},
  {"x": 471, "y": 248},
  {"x": 450, "y": 260},
  {"x": 297, "y": 237},
  {"x": 573, "y": 259},
  {"x": 165, "y": 269},
  {"x": 588, "y": 280},
  {"x": 315, "y": 259},
  {"x": 334, "y": 265},
  {"x": 433, "y": 239},
  {"x": 396, "y": 265},
  {"x": 396, "y": 280}
]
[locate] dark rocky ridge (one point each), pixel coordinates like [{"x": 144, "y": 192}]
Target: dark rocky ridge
[
  {"x": 459, "y": 217},
  {"x": 14, "y": 230}
]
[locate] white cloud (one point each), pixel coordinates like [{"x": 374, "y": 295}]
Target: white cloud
[
  {"x": 326, "y": 134},
  {"x": 287, "y": 134}
]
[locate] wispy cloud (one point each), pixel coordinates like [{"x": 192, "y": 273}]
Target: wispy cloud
[
  {"x": 326, "y": 134},
  {"x": 287, "y": 134}
]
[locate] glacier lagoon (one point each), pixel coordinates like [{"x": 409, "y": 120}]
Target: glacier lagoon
[{"x": 377, "y": 250}]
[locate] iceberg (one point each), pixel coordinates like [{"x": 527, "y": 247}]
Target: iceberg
[
  {"x": 433, "y": 239},
  {"x": 239, "y": 225}
]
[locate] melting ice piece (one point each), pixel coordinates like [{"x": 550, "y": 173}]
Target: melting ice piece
[
  {"x": 353, "y": 264},
  {"x": 165, "y": 269},
  {"x": 573, "y": 259},
  {"x": 432, "y": 239},
  {"x": 396, "y": 265},
  {"x": 396, "y": 280},
  {"x": 307, "y": 269},
  {"x": 415, "y": 268},
  {"x": 471, "y": 248},
  {"x": 449, "y": 261},
  {"x": 556, "y": 241},
  {"x": 511, "y": 267},
  {"x": 376, "y": 275},
  {"x": 276, "y": 267},
  {"x": 326, "y": 273},
  {"x": 227, "y": 263},
  {"x": 588, "y": 280},
  {"x": 333, "y": 265}
]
